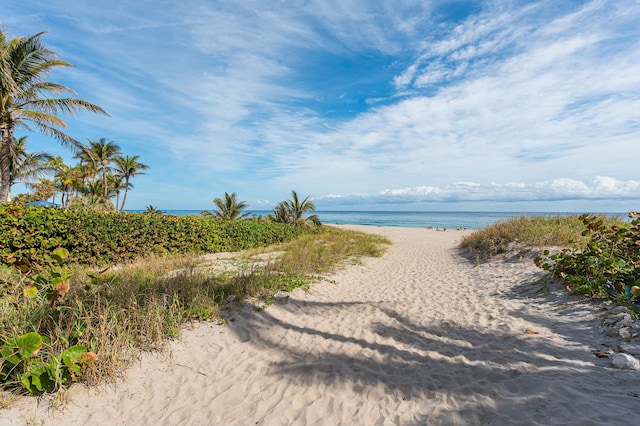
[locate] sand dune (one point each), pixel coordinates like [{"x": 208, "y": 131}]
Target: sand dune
[{"x": 419, "y": 336}]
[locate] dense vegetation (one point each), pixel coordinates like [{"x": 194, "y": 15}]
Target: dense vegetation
[
  {"x": 607, "y": 266},
  {"x": 26, "y": 233},
  {"x": 62, "y": 323},
  {"x": 594, "y": 255}
]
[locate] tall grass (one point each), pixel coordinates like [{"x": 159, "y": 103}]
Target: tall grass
[
  {"x": 118, "y": 312},
  {"x": 318, "y": 253},
  {"x": 538, "y": 231}
]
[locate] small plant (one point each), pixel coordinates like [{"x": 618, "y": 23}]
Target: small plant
[
  {"x": 267, "y": 301},
  {"x": 151, "y": 209},
  {"x": 26, "y": 360},
  {"x": 609, "y": 264},
  {"x": 20, "y": 363},
  {"x": 50, "y": 280}
]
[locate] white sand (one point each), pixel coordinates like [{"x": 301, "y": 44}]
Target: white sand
[{"x": 419, "y": 336}]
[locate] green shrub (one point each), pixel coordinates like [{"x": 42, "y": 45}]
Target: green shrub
[
  {"x": 27, "y": 233},
  {"x": 607, "y": 266},
  {"x": 49, "y": 316}
]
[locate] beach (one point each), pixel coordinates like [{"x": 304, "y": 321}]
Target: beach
[{"x": 419, "y": 336}]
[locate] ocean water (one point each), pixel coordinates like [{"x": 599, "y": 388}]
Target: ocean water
[{"x": 413, "y": 219}]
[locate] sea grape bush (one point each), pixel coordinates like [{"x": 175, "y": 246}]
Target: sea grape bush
[
  {"x": 27, "y": 233},
  {"x": 22, "y": 364},
  {"x": 26, "y": 359},
  {"x": 609, "y": 266}
]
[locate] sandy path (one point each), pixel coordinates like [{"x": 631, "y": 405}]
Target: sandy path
[{"x": 420, "y": 336}]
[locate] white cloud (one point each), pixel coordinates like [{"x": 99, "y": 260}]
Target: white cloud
[{"x": 600, "y": 188}]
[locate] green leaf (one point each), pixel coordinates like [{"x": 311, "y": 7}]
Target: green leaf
[
  {"x": 30, "y": 291},
  {"x": 9, "y": 354},
  {"x": 70, "y": 356},
  {"x": 29, "y": 344},
  {"x": 38, "y": 380},
  {"x": 60, "y": 254}
]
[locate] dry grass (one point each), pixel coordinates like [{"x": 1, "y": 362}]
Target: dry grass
[
  {"x": 538, "y": 232},
  {"x": 320, "y": 253}
]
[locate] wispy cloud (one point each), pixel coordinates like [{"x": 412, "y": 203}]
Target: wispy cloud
[{"x": 470, "y": 193}]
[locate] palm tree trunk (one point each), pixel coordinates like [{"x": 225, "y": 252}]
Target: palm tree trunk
[
  {"x": 104, "y": 181},
  {"x": 5, "y": 164},
  {"x": 124, "y": 197}
]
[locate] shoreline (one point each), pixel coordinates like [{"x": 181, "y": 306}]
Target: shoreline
[{"x": 419, "y": 336}]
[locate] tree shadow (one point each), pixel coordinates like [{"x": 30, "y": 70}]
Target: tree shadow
[
  {"x": 483, "y": 373},
  {"x": 460, "y": 374}
]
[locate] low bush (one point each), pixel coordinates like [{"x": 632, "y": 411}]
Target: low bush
[
  {"x": 27, "y": 233},
  {"x": 608, "y": 265}
]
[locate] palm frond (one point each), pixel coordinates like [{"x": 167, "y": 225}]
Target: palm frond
[
  {"x": 61, "y": 137},
  {"x": 37, "y": 117},
  {"x": 66, "y": 106}
]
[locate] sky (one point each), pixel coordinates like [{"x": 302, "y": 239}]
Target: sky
[{"x": 425, "y": 105}]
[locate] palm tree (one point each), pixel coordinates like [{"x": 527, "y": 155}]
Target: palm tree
[
  {"x": 44, "y": 189},
  {"x": 128, "y": 167},
  {"x": 293, "y": 211},
  {"x": 95, "y": 202},
  {"x": 85, "y": 171},
  {"x": 27, "y": 167},
  {"x": 102, "y": 152},
  {"x": 280, "y": 213},
  {"x": 93, "y": 197},
  {"x": 67, "y": 180},
  {"x": 117, "y": 184},
  {"x": 55, "y": 164},
  {"x": 151, "y": 209},
  {"x": 229, "y": 208},
  {"x": 24, "y": 64}
]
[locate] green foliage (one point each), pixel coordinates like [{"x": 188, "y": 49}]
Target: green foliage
[
  {"x": 23, "y": 362},
  {"x": 608, "y": 265},
  {"x": 28, "y": 233}
]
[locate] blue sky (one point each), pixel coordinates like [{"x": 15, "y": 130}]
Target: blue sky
[{"x": 379, "y": 105}]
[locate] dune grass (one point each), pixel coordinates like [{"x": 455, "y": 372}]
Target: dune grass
[
  {"x": 118, "y": 312},
  {"x": 537, "y": 231}
]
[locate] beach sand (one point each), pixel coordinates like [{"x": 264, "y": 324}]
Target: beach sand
[{"x": 419, "y": 336}]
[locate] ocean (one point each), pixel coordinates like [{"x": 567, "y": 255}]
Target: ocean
[{"x": 412, "y": 219}]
